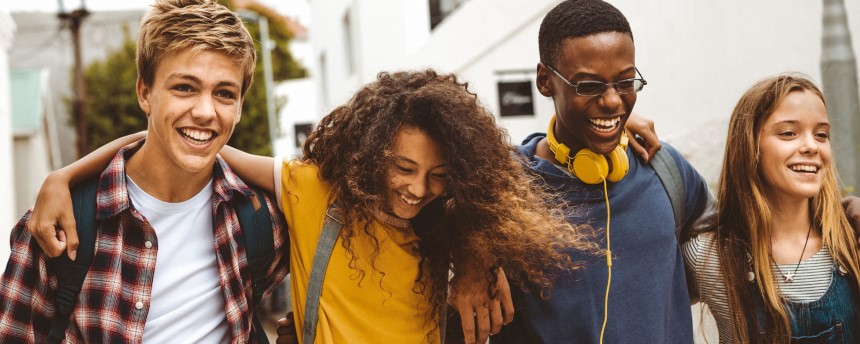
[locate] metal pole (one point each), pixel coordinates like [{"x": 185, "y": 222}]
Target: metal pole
[
  {"x": 74, "y": 20},
  {"x": 839, "y": 80},
  {"x": 268, "y": 78}
]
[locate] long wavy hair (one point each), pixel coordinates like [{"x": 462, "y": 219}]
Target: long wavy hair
[
  {"x": 493, "y": 214},
  {"x": 744, "y": 218}
]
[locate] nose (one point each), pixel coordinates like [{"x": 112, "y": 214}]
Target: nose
[
  {"x": 204, "y": 109},
  {"x": 810, "y": 145},
  {"x": 418, "y": 187},
  {"x": 610, "y": 99}
]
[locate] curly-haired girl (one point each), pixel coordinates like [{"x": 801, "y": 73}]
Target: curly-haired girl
[{"x": 424, "y": 178}]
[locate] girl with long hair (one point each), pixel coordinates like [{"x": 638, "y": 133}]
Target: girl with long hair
[{"x": 781, "y": 265}]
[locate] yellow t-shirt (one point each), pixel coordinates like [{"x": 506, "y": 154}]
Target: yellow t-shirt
[{"x": 372, "y": 309}]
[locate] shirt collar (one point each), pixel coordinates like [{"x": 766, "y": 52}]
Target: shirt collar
[{"x": 113, "y": 198}]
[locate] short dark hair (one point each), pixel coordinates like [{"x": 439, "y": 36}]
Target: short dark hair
[{"x": 577, "y": 18}]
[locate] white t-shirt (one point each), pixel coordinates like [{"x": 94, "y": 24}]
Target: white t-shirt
[{"x": 187, "y": 304}]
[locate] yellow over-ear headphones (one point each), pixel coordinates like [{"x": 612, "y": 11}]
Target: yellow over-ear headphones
[{"x": 588, "y": 166}]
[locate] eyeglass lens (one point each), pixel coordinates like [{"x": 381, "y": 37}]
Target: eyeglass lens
[{"x": 594, "y": 88}]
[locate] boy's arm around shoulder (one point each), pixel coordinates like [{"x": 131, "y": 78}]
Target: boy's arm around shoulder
[
  {"x": 53, "y": 222},
  {"x": 26, "y": 295},
  {"x": 253, "y": 169}
]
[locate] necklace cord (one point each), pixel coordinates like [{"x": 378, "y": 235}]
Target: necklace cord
[{"x": 790, "y": 277}]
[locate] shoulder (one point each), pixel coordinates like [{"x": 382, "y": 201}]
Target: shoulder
[
  {"x": 683, "y": 165},
  {"x": 299, "y": 175},
  {"x": 528, "y": 146}
]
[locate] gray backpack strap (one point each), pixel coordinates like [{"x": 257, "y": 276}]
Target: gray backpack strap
[
  {"x": 667, "y": 170},
  {"x": 328, "y": 237}
]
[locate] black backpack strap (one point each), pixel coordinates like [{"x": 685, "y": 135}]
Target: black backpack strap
[
  {"x": 259, "y": 247},
  {"x": 667, "y": 170},
  {"x": 70, "y": 274}
]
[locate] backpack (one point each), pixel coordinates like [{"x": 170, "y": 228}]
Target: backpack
[
  {"x": 256, "y": 228},
  {"x": 667, "y": 170}
]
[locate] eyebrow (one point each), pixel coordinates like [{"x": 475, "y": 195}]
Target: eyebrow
[
  {"x": 595, "y": 76},
  {"x": 795, "y": 122},
  {"x": 405, "y": 159},
  {"x": 197, "y": 80}
]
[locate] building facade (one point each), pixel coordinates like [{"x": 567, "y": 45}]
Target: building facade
[{"x": 698, "y": 57}]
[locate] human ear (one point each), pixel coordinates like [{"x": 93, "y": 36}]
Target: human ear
[
  {"x": 143, "y": 96},
  {"x": 544, "y": 85}
]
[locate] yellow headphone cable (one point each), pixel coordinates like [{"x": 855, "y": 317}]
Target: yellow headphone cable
[{"x": 608, "y": 265}]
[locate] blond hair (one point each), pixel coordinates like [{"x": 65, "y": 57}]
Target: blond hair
[{"x": 172, "y": 26}]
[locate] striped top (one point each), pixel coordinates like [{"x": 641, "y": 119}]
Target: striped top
[{"x": 811, "y": 281}]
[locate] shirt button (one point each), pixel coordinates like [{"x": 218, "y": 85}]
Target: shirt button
[
  {"x": 148, "y": 244},
  {"x": 138, "y": 305}
]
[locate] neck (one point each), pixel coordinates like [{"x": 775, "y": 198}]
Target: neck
[
  {"x": 790, "y": 219},
  {"x": 545, "y": 153},
  {"x": 392, "y": 220},
  {"x": 155, "y": 174},
  {"x": 793, "y": 237}
]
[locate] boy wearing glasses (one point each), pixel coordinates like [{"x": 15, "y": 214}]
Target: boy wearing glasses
[{"x": 587, "y": 66}]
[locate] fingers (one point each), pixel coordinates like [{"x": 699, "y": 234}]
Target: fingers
[
  {"x": 654, "y": 148},
  {"x": 638, "y": 149},
  {"x": 467, "y": 320},
  {"x": 286, "y": 324},
  {"x": 505, "y": 298},
  {"x": 496, "y": 318},
  {"x": 482, "y": 316},
  {"x": 47, "y": 238},
  {"x": 287, "y": 330},
  {"x": 70, "y": 233}
]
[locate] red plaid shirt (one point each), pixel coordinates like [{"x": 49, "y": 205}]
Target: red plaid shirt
[{"x": 122, "y": 270}]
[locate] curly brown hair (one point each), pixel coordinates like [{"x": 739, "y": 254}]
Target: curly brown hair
[{"x": 493, "y": 214}]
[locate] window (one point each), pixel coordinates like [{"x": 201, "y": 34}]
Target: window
[
  {"x": 323, "y": 81},
  {"x": 439, "y": 9},
  {"x": 348, "y": 49}
]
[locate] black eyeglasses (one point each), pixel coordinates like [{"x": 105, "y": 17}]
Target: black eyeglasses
[{"x": 590, "y": 88}]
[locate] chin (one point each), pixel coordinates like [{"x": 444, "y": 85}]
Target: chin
[
  {"x": 406, "y": 215},
  {"x": 197, "y": 164}
]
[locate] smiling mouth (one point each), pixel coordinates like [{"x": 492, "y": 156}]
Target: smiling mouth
[
  {"x": 804, "y": 168},
  {"x": 197, "y": 136},
  {"x": 605, "y": 125},
  {"x": 410, "y": 201}
]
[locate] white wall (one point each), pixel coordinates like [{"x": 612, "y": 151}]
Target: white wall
[
  {"x": 8, "y": 217},
  {"x": 698, "y": 56},
  {"x": 32, "y": 165}
]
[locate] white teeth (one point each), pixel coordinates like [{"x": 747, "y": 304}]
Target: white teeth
[
  {"x": 804, "y": 168},
  {"x": 410, "y": 201},
  {"x": 605, "y": 125},
  {"x": 201, "y": 136}
]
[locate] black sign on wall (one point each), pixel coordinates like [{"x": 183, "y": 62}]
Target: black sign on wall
[
  {"x": 302, "y": 130},
  {"x": 515, "y": 98}
]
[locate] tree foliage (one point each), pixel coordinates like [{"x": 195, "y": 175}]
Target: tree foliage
[{"x": 112, "y": 109}]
